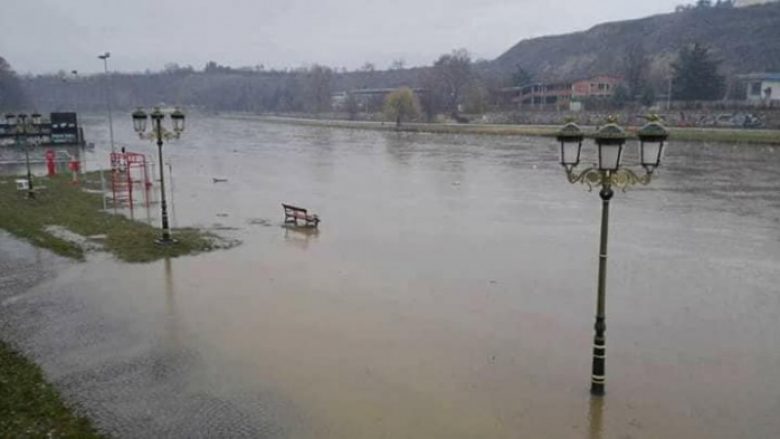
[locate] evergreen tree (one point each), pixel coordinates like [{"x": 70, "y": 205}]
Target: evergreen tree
[
  {"x": 648, "y": 96},
  {"x": 521, "y": 77},
  {"x": 11, "y": 93},
  {"x": 695, "y": 75}
]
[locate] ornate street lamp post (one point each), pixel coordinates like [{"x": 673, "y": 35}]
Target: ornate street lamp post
[
  {"x": 608, "y": 173},
  {"x": 158, "y": 134},
  {"x": 24, "y": 127}
]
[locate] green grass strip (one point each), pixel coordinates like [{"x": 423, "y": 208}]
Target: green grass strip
[
  {"x": 715, "y": 135},
  {"x": 63, "y": 204},
  {"x": 30, "y": 407}
]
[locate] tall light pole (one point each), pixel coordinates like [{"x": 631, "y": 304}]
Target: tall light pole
[
  {"x": 105, "y": 57},
  {"x": 607, "y": 174},
  {"x": 158, "y": 134},
  {"x": 25, "y": 127}
]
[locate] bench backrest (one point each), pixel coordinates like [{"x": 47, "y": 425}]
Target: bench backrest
[{"x": 293, "y": 208}]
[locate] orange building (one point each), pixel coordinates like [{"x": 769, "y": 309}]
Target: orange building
[
  {"x": 560, "y": 95},
  {"x": 597, "y": 86}
]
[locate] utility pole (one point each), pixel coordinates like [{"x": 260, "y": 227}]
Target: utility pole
[{"x": 105, "y": 57}]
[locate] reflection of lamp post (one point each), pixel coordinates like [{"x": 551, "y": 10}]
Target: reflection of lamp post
[
  {"x": 608, "y": 173},
  {"x": 23, "y": 128},
  {"x": 105, "y": 57},
  {"x": 158, "y": 134}
]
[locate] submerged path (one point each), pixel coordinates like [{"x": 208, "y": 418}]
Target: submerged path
[
  {"x": 726, "y": 135},
  {"x": 129, "y": 380}
]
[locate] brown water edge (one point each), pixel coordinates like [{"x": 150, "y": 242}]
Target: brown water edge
[
  {"x": 448, "y": 293},
  {"x": 703, "y": 134}
]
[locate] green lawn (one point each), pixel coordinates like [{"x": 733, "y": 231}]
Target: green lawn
[
  {"x": 30, "y": 407},
  {"x": 720, "y": 135},
  {"x": 63, "y": 204}
]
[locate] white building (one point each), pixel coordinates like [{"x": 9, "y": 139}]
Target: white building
[
  {"x": 762, "y": 86},
  {"x": 741, "y": 3}
]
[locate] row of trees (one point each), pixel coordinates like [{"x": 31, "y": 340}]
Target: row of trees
[
  {"x": 453, "y": 84},
  {"x": 694, "y": 76},
  {"x": 705, "y": 4},
  {"x": 12, "y": 96}
]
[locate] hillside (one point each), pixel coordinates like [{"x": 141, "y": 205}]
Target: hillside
[{"x": 745, "y": 39}]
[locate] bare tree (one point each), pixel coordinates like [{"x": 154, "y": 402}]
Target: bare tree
[
  {"x": 635, "y": 66},
  {"x": 319, "y": 88},
  {"x": 351, "y": 105},
  {"x": 452, "y": 73},
  {"x": 11, "y": 94},
  {"x": 398, "y": 64}
]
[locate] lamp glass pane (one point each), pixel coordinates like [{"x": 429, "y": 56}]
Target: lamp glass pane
[
  {"x": 570, "y": 153},
  {"x": 651, "y": 153},
  {"x": 609, "y": 157},
  {"x": 178, "y": 122},
  {"x": 139, "y": 123}
]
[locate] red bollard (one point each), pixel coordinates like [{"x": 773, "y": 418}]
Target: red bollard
[
  {"x": 51, "y": 163},
  {"x": 75, "y": 166}
]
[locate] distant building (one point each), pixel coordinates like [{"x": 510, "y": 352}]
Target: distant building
[
  {"x": 602, "y": 86},
  {"x": 742, "y": 3},
  {"x": 564, "y": 95},
  {"x": 764, "y": 87}
]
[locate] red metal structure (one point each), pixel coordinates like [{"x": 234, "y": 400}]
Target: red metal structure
[
  {"x": 128, "y": 169},
  {"x": 51, "y": 162}
]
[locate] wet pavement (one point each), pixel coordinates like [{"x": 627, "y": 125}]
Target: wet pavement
[{"x": 449, "y": 292}]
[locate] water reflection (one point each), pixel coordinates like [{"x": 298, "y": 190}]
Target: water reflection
[
  {"x": 399, "y": 147},
  {"x": 170, "y": 304},
  {"x": 432, "y": 310},
  {"x": 170, "y": 350},
  {"x": 300, "y": 236},
  {"x": 595, "y": 413}
]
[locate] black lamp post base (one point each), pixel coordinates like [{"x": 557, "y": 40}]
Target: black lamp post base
[{"x": 165, "y": 242}]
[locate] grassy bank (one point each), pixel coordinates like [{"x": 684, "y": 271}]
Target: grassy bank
[
  {"x": 723, "y": 135},
  {"x": 60, "y": 203},
  {"x": 30, "y": 407}
]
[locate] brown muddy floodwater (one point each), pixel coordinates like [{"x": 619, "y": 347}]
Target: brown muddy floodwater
[{"x": 449, "y": 293}]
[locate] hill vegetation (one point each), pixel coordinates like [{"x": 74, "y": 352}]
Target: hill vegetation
[
  {"x": 745, "y": 40},
  {"x": 644, "y": 52}
]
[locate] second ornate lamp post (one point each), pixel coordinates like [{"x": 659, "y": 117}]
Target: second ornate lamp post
[
  {"x": 608, "y": 173},
  {"x": 24, "y": 128},
  {"x": 158, "y": 134}
]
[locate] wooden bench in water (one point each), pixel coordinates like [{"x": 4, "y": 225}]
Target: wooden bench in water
[{"x": 293, "y": 213}]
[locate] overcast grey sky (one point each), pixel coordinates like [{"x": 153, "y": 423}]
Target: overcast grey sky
[{"x": 39, "y": 36}]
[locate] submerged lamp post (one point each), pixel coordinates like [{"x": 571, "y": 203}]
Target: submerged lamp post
[
  {"x": 158, "y": 134},
  {"x": 608, "y": 173},
  {"x": 24, "y": 127}
]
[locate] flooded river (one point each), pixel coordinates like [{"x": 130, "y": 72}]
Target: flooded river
[{"x": 449, "y": 293}]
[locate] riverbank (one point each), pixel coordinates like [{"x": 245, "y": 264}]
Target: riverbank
[
  {"x": 69, "y": 221},
  {"x": 31, "y": 407},
  {"x": 721, "y": 135}
]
